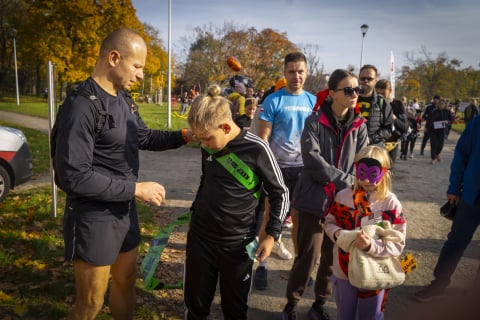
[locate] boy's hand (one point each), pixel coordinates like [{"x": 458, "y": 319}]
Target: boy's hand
[{"x": 264, "y": 248}]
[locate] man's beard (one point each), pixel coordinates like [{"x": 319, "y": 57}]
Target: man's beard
[{"x": 366, "y": 89}]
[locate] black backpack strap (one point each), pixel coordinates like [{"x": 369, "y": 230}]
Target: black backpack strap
[
  {"x": 131, "y": 103},
  {"x": 101, "y": 113}
]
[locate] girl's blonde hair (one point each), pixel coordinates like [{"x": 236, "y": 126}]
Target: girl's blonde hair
[
  {"x": 382, "y": 156},
  {"x": 210, "y": 110}
]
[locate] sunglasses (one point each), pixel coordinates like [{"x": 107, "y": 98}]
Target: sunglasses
[
  {"x": 348, "y": 91},
  {"x": 366, "y": 79}
]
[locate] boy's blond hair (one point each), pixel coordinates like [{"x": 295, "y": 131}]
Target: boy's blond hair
[
  {"x": 209, "y": 111},
  {"x": 382, "y": 156}
]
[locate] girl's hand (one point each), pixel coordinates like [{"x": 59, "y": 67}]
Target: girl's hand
[{"x": 363, "y": 241}]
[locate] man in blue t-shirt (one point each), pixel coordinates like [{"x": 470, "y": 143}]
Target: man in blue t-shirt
[{"x": 281, "y": 121}]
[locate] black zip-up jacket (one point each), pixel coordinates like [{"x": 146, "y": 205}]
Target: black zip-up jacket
[
  {"x": 445, "y": 116},
  {"x": 328, "y": 152},
  {"x": 400, "y": 123},
  {"x": 100, "y": 173},
  {"x": 223, "y": 212}
]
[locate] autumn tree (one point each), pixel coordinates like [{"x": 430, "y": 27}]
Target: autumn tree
[
  {"x": 426, "y": 76},
  {"x": 156, "y": 66},
  {"x": 260, "y": 53},
  {"x": 69, "y": 34},
  {"x": 316, "y": 79}
]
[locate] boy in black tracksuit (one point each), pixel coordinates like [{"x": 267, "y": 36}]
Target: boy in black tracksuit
[{"x": 223, "y": 213}]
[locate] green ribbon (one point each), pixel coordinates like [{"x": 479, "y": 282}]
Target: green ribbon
[
  {"x": 239, "y": 170},
  {"x": 151, "y": 260}
]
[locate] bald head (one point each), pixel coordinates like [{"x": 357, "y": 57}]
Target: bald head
[
  {"x": 121, "y": 61},
  {"x": 123, "y": 40}
]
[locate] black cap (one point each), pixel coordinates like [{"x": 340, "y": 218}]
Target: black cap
[{"x": 436, "y": 97}]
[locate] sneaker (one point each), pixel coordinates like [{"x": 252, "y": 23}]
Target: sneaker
[
  {"x": 260, "y": 279},
  {"x": 280, "y": 250},
  {"x": 287, "y": 223},
  {"x": 429, "y": 293},
  {"x": 411, "y": 156},
  {"x": 289, "y": 312},
  {"x": 421, "y": 153},
  {"x": 317, "y": 312}
]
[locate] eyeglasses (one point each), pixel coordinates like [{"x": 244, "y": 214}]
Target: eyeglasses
[
  {"x": 364, "y": 79},
  {"x": 348, "y": 91}
]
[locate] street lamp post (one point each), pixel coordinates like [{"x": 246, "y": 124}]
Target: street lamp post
[
  {"x": 14, "y": 34},
  {"x": 364, "y": 29}
]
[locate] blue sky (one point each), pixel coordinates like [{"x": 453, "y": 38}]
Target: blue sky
[{"x": 334, "y": 26}]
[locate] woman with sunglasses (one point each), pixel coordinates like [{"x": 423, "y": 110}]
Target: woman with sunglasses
[{"x": 332, "y": 135}]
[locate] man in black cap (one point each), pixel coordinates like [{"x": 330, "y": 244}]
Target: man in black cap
[{"x": 425, "y": 117}]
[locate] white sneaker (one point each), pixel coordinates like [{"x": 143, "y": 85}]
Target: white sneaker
[
  {"x": 280, "y": 250},
  {"x": 287, "y": 223}
]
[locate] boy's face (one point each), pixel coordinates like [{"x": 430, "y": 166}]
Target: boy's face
[
  {"x": 214, "y": 139},
  {"x": 250, "y": 110}
]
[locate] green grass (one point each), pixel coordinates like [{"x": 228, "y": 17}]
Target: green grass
[
  {"x": 155, "y": 116},
  {"x": 36, "y": 282}
]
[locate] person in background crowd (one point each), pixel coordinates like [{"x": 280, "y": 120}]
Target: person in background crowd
[
  {"x": 245, "y": 121},
  {"x": 415, "y": 104},
  {"x": 281, "y": 121},
  {"x": 451, "y": 108},
  {"x": 250, "y": 93},
  {"x": 184, "y": 100},
  {"x": 374, "y": 108},
  {"x": 260, "y": 94},
  {"x": 237, "y": 97},
  {"x": 464, "y": 192},
  {"x": 415, "y": 122},
  {"x": 333, "y": 134},
  {"x": 425, "y": 117},
  {"x": 392, "y": 144},
  {"x": 440, "y": 118}
]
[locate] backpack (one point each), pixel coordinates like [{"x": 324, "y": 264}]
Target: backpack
[{"x": 101, "y": 115}]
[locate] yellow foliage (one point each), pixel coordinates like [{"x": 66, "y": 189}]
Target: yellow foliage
[
  {"x": 21, "y": 309},
  {"x": 4, "y": 296},
  {"x": 23, "y": 262}
]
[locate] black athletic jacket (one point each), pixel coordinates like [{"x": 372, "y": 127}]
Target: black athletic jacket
[
  {"x": 99, "y": 174},
  {"x": 224, "y": 210}
]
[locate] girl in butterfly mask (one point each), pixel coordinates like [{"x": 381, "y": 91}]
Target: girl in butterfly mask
[{"x": 369, "y": 201}]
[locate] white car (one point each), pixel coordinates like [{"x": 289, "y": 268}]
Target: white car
[{"x": 15, "y": 160}]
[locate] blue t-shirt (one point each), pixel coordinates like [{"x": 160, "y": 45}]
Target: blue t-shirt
[{"x": 287, "y": 113}]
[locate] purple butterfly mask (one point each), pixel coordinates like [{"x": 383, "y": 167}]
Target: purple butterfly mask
[{"x": 371, "y": 169}]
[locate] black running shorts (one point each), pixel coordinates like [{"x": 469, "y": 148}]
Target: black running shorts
[{"x": 98, "y": 237}]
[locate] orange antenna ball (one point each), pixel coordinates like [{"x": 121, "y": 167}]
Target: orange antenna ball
[{"x": 234, "y": 64}]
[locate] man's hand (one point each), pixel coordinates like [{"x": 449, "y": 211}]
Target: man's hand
[
  {"x": 150, "y": 192},
  {"x": 264, "y": 248}
]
